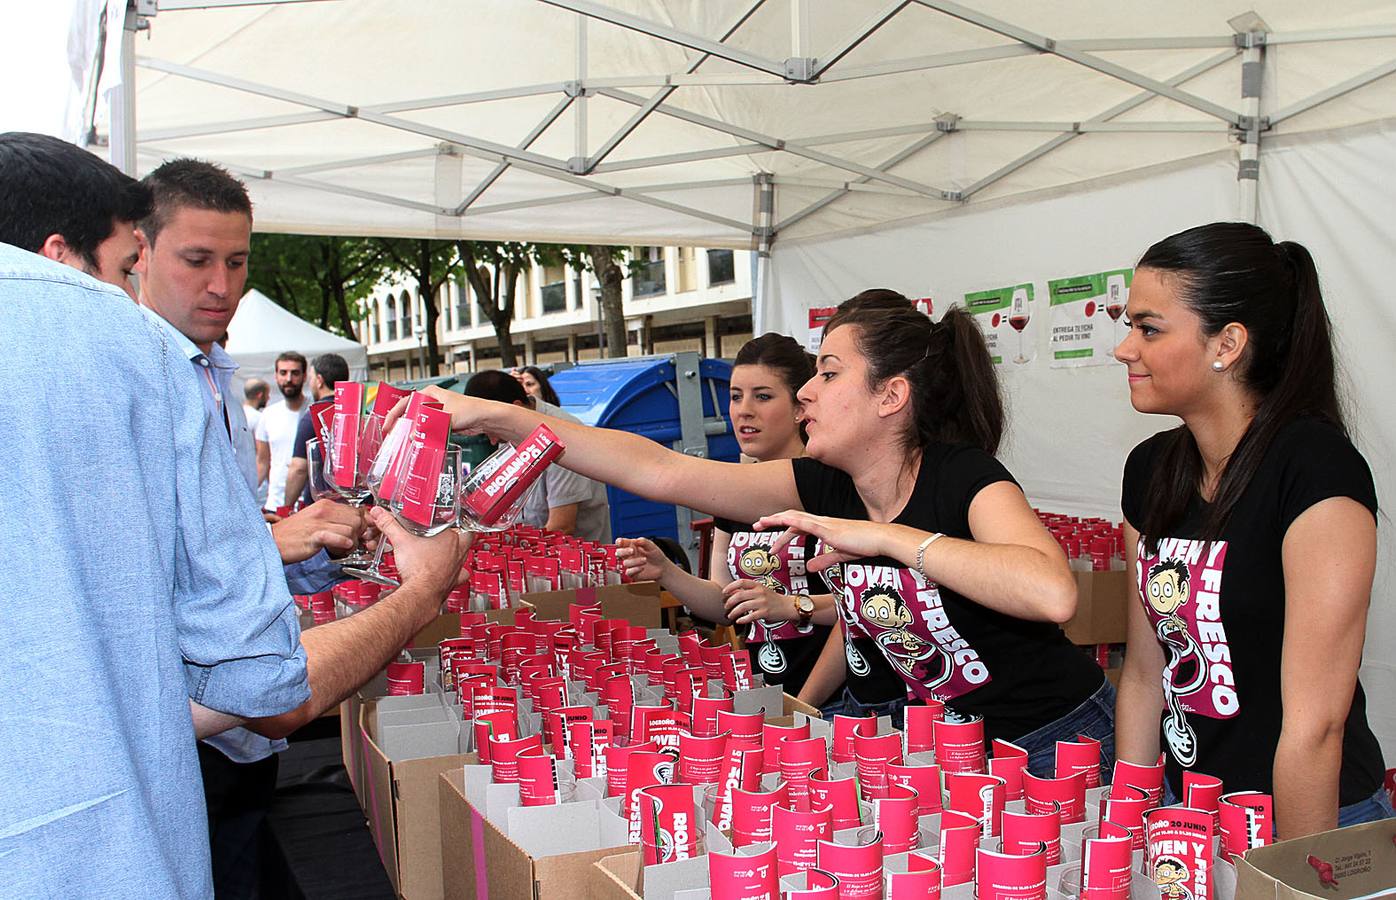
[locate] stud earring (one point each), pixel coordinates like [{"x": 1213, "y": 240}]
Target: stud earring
[{"x": 1218, "y": 366}]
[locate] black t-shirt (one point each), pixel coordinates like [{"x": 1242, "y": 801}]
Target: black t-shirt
[
  {"x": 1218, "y": 609},
  {"x": 1019, "y": 675},
  {"x": 783, "y": 652}
]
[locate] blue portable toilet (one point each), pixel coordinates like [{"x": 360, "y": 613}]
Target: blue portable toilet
[{"x": 677, "y": 399}]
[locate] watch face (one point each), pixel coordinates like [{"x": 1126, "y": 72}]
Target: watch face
[{"x": 804, "y": 604}]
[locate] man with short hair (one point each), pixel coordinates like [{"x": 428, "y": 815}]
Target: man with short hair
[
  {"x": 148, "y": 594},
  {"x": 565, "y": 502},
  {"x": 326, "y": 370},
  {"x": 276, "y": 430},
  {"x": 255, "y": 394}
]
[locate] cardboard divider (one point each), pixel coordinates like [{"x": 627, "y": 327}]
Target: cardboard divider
[
  {"x": 1102, "y": 604},
  {"x": 636, "y": 603}
]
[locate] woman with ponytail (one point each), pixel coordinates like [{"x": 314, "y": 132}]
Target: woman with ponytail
[
  {"x": 1251, "y": 529},
  {"x": 939, "y": 565}
]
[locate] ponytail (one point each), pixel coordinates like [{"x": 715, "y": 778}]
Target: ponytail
[
  {"x": 1233, "y": 272},
  {"x": 954, "y": 387}
]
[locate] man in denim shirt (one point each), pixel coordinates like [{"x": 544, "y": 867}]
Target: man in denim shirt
[{"x": 147, "y": 603}]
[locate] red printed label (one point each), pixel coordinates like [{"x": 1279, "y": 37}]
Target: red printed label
[
  {"x": 348, "y": 408},
  {"x": 512, "y": 475},
  {"x": 670, "y": 829},
  {"x": 1180, "y": 852},
  {"x": 734, "y": 877},
  {"x": 960, "y": 745}
]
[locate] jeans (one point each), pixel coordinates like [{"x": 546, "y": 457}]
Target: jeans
[
  {"x": 1095, "y": 718},
  {"x": 892, "y": 708},
  {"x": 1376, "y": 807}
]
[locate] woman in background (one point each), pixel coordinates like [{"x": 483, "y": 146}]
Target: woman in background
[
  {"x": 1252, "y": 532},
  {"x": 535, "y": 384}
]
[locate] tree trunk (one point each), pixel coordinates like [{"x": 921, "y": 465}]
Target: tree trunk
[
  {"x": 610, "y": 276},
  {"x": 427, "y": 290},
  {"x": 509, "y": 279}
]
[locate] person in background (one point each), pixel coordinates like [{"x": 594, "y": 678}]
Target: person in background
[
  {"x": 565, "y": 501},
  {"x": 930, "y": 546},
  {"x": 789, "y": 610},
  {"x": 1251, "y": 530},
  {"x": 276, "y": 430},
  {"x": 126, "y": 635},
  {"x": 326, "y": 370},
  {"x": 255, "y": 394},
  {"x": 535, "y": 382}
]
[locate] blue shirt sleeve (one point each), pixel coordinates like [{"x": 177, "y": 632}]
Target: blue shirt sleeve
[{"x": 237, "y": 626}]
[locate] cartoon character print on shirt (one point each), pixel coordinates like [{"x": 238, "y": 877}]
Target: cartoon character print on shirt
[
  {"x": 902, "y": 612},
  {"x": 833, "y": 577},
  {"x": 749, "y": 555},
  {"x": 1181, "y": 588}
]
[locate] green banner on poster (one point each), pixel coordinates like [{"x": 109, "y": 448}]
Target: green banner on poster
[
  {"x": 1085, "y": 311},
  {"x": 1005, "y": 317}
]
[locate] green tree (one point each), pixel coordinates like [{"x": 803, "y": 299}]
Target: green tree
[
  {"x": 493, "y": 271},
  {"x": 432, "y": 263},
  {"x": 321, "y": 278},
  {"x": 611, "y": 266}
]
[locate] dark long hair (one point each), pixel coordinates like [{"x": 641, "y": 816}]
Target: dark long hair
[
  {"x": 549, "y": 395},
  {"x": 954, "y": 389},
  {"x": 1234, "y": 272},
  {"x": 783, "y": 354}
]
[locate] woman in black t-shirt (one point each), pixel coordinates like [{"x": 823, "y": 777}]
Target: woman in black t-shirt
[
  {"x": 750, "y": 581},
  {"x": 1251, "y": 531},
  {"x": 957, "y": 585}
]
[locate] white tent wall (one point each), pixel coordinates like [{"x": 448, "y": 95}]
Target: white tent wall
[{"x": 1071, "y": 429}]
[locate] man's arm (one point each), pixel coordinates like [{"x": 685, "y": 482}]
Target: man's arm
[
  {"x": 344, "y": 655},
  {"x": 562, "y": 519},
  {"x": 296, "y": 476}
]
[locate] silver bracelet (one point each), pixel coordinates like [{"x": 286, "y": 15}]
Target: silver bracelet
[{"x": 921, "y": 553}]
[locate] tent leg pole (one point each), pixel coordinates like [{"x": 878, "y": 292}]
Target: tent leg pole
[
  {"x": 123, "y": 101},
  {"x": 762, "y": 232},
  {"x": 1248, "y": 166}
]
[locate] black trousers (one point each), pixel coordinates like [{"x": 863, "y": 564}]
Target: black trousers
[{"x": 238, "y": 796}]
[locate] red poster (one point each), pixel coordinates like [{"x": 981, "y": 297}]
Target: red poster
[
  {"x": 643, "y": 769},
  {"x": 920, "y": 881},
  {"x": 1009, "y": 762},
  {"x": 670, "y": 829},
  {"x": 959, "y": 839},
  {"x": 386, "y": 398},
  {"x": 1105, "y": 868},
  {"x": 740, "y": 724},
  {"x": 797, "y": 836},
  {"x": 504, "y": 755},
  {"x": 751, "y": 814},
  {"x": 1126, "y": 807},
  {"x": 772, "y": 736},
  {"x": 840, "y": 795},
  {"x": 618, "y": 693},
  {"x": 981, "y": 796},
  {"x": 800, "y": 759},
  {"x": 735, "y": 877},
  {"x": 322, "y": 418},
  {"x": 1024, "y": 832},
  {"x": 700, "y": 758},
  {"x": 736, "y": 671},
  {"x": 872, "y": 755},
  {"x": 559, "y": 722},
  {"x": 706, "y": 711},
  {"x": 819, "y": 885},
  {"x": 1203, "y": 792},
  {"x": 1149, "y": 779},
  {"x": 895, "y": 817},
  {"x": 1081, "y": 755},
  {"x": 1001, "y": 876},
  {"x": 538, "y": 781},
  {"x": 421, "y": 480},
  {"x": 858, "y": 868},
  {"x": 1180, "y": 852},
  {"x": 504, "y": 723},
  {"x": 618, "y": 766},
  {"x": 960, "y": 746},
  {"x": 406, "y": 678},
  {"x": 587, "y": 741},
  {"x": 1247, "y": 821},
  {"x": 741, "y": 770},
  {"x": 505, "y": 482},
  {"x": 348, "y": 409},
  {"x": 918, "y": 725},
  {"x": 1065, "y": 796},
  {"x": 845, "y": 727},
  {"x": 924, "y": 780}
]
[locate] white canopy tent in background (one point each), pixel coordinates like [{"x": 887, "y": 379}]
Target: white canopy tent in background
[
  {"x": 262, "y": 330},
  {"x": 927, "y": 145}
]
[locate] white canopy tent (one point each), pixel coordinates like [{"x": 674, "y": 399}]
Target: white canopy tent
[
  {"x": 262, "y": 330},
  {"x": 927, "y": 145}
]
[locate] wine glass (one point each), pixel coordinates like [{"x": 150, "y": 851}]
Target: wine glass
[
  {"x": 1114, "y": 304},
  {"x": 1018, "y": 318},
  {"x": 387, "y": 461},
  {"x": 427, "y": 500},
  {"x": 315, "y": 459},
  {"x": 350, "y": 479}
]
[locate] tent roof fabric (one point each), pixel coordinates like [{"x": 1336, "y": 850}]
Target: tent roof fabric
[{"x": 663, "y": 121}]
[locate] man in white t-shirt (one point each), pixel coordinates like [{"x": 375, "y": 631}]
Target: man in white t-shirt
[{"x": 276, "y": 429}]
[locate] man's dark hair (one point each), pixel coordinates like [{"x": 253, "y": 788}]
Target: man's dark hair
[
  {"x": 331, "y": 367},
  {"x": 495, "y": 384},
  {"x": 195, "y": 184},
  {"x": 293, "y": 356},
  {"x": 50, "y": 186},
  {"x": 254, "y": 389}
]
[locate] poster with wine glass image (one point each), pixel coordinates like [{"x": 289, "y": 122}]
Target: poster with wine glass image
[
  {"x": 1087, "y": 317},
  {"x": 1005, "y": 315}
]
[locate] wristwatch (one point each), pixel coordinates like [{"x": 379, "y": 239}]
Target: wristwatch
[{"x": 804, "y": 608}]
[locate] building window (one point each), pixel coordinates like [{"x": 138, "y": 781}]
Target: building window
[
  {"x": 576, "y": 289},
  {"x": 721, "y": 268},
  {"x": 554, "y": 289},
  {"x": 649, "y": 274},
  {"x": 392, "y": 318},
  {"x": 462, "y": 304},
  {"x": 375, "y": 335}
]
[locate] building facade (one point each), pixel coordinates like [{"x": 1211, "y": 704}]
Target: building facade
[{"x": 679, "y": 298}]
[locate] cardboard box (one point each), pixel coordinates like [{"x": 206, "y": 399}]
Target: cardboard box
[
  {"x": 494, "y": 849},
  {"x": 1101, "y": 605},
  {"x": 403, "y": 750},
  {"x": 1363, "y": 858},
  {"x": 637, "y": 603}
]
